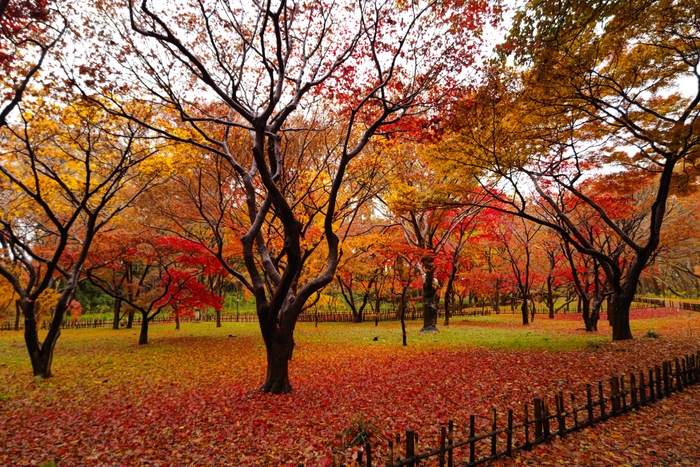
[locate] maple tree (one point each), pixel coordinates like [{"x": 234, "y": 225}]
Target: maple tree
[
  {"x": 150, "y": 273},
  {"x": 29, "y": 30},
  {"x": 65, "y": 173},
  {"x": 358, "y": 68},
  {"x": 610, "y": 70}
]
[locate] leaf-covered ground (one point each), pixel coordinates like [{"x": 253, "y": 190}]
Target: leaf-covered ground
[{"x": 186, "y": 399}]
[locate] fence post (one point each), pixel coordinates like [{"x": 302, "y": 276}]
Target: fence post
[
  {"x": 493, "y": 428},
  {"x": 623, "y": 393},
  {"x": 589, "y": 404},
  {"x": 615, "y": 394},
  {"x": 545, "y": 413},
  {"x": 601, "y": 400},
  {"x": 410, "y": 448},
  {"x": 368, "y": 449},
  {"x": 509, "y": 439},
  {"x": 526, "y": 424},
  {"x": 574, "y": 410},
  {"x": 390, "y": 460},
  {"x": 633, "y": 391},
  {"x": 679, "y": 376},
  {"x": 442, "y": 445},
  {"x": 667, "y": 379},
  {"x": 560, "y": 412},
  {"x": 538, "y": 418},
  {"x": 471, "y": 440},
  {"x": 450, "y": 441}
]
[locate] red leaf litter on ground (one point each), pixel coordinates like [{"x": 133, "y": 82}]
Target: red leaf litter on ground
[{"x": 185, "y": 399}]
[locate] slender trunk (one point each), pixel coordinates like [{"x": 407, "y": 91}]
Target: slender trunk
[
  {"x": 143, "y": 335},
  {"x": 496, "y": 304},
  {"x": 430, "y": 298},
  {"x": 550, "y": 297},
  {"x": 130, "y": 319},
  {"x": 18, "y": 313},
  {"x": 402, "y": 315},
  {"x": 218, "y": 318},
  {"x": 525, "y": 311},
  {"x": 117, "y": 313},
  {"x": 177, "y": 319}
]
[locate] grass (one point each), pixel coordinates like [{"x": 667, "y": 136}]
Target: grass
[{"x": 185, "y": 398}]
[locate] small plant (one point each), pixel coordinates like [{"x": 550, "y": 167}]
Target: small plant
[
  {"x": 652, "y": 334},
  {"x": 48, "y": 464},
  {"x": 358, "y": 432}
]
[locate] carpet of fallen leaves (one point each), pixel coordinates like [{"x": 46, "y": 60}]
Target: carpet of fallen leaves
[{"x": 187, "y": 399}]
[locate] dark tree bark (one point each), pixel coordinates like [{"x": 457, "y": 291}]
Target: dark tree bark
[{"x": 117, "y": 310}]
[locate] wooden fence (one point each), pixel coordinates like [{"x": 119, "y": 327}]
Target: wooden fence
[
  {"x": 328, "y": 316},
  {"x": 539, "y": 423},
  {"x": 668, "y": 303}
]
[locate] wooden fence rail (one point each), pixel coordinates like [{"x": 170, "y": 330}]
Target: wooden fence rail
[
  {"x": 540, "y": 423},
  {"x": 308, "y": 317}
]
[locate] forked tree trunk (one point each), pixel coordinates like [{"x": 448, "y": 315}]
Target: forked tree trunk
[{"x": 41, "y": 354}]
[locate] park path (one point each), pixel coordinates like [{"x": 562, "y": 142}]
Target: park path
[{"x": 664, "y": 434}]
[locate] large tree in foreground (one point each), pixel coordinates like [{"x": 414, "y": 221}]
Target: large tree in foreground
[{"x": 278, "y": 70}]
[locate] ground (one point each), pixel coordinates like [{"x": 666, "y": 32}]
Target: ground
[{"x": 187, "y": 398}]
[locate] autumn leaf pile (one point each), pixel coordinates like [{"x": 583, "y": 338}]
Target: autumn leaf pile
[{"x": 187, "y": 399}]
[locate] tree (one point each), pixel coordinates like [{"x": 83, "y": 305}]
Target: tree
[
  {"x": 161, "y": 272},
  {"x": 65, "y": 173},
  {"x": 610, "y": 71},
  {"x": 358, "y": 68},
  {"x": 29, "y": 30}
]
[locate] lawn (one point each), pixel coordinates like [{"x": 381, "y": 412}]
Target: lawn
[{"x": 187, "y": 398}]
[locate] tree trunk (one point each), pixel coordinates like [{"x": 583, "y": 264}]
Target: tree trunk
[
  {"x": 117, "y": 313},
  {"x": 18, "y": 313},
  {"x": 496, "y": 302},
  {"x": 177, "y": 319},
  {"x": 218, "y": 318},
  {"x": 430, "y": 298},
  {"x": 41, "y": 354},
  {"x": 525, "y": 312},
  {"x": 130, "y": 319},
  {"x": 279, "y": 350},
  {"x": 550, "y": 297},
  {"x": 143, "y": 335},
  {"x": 619, "y": 306}
]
